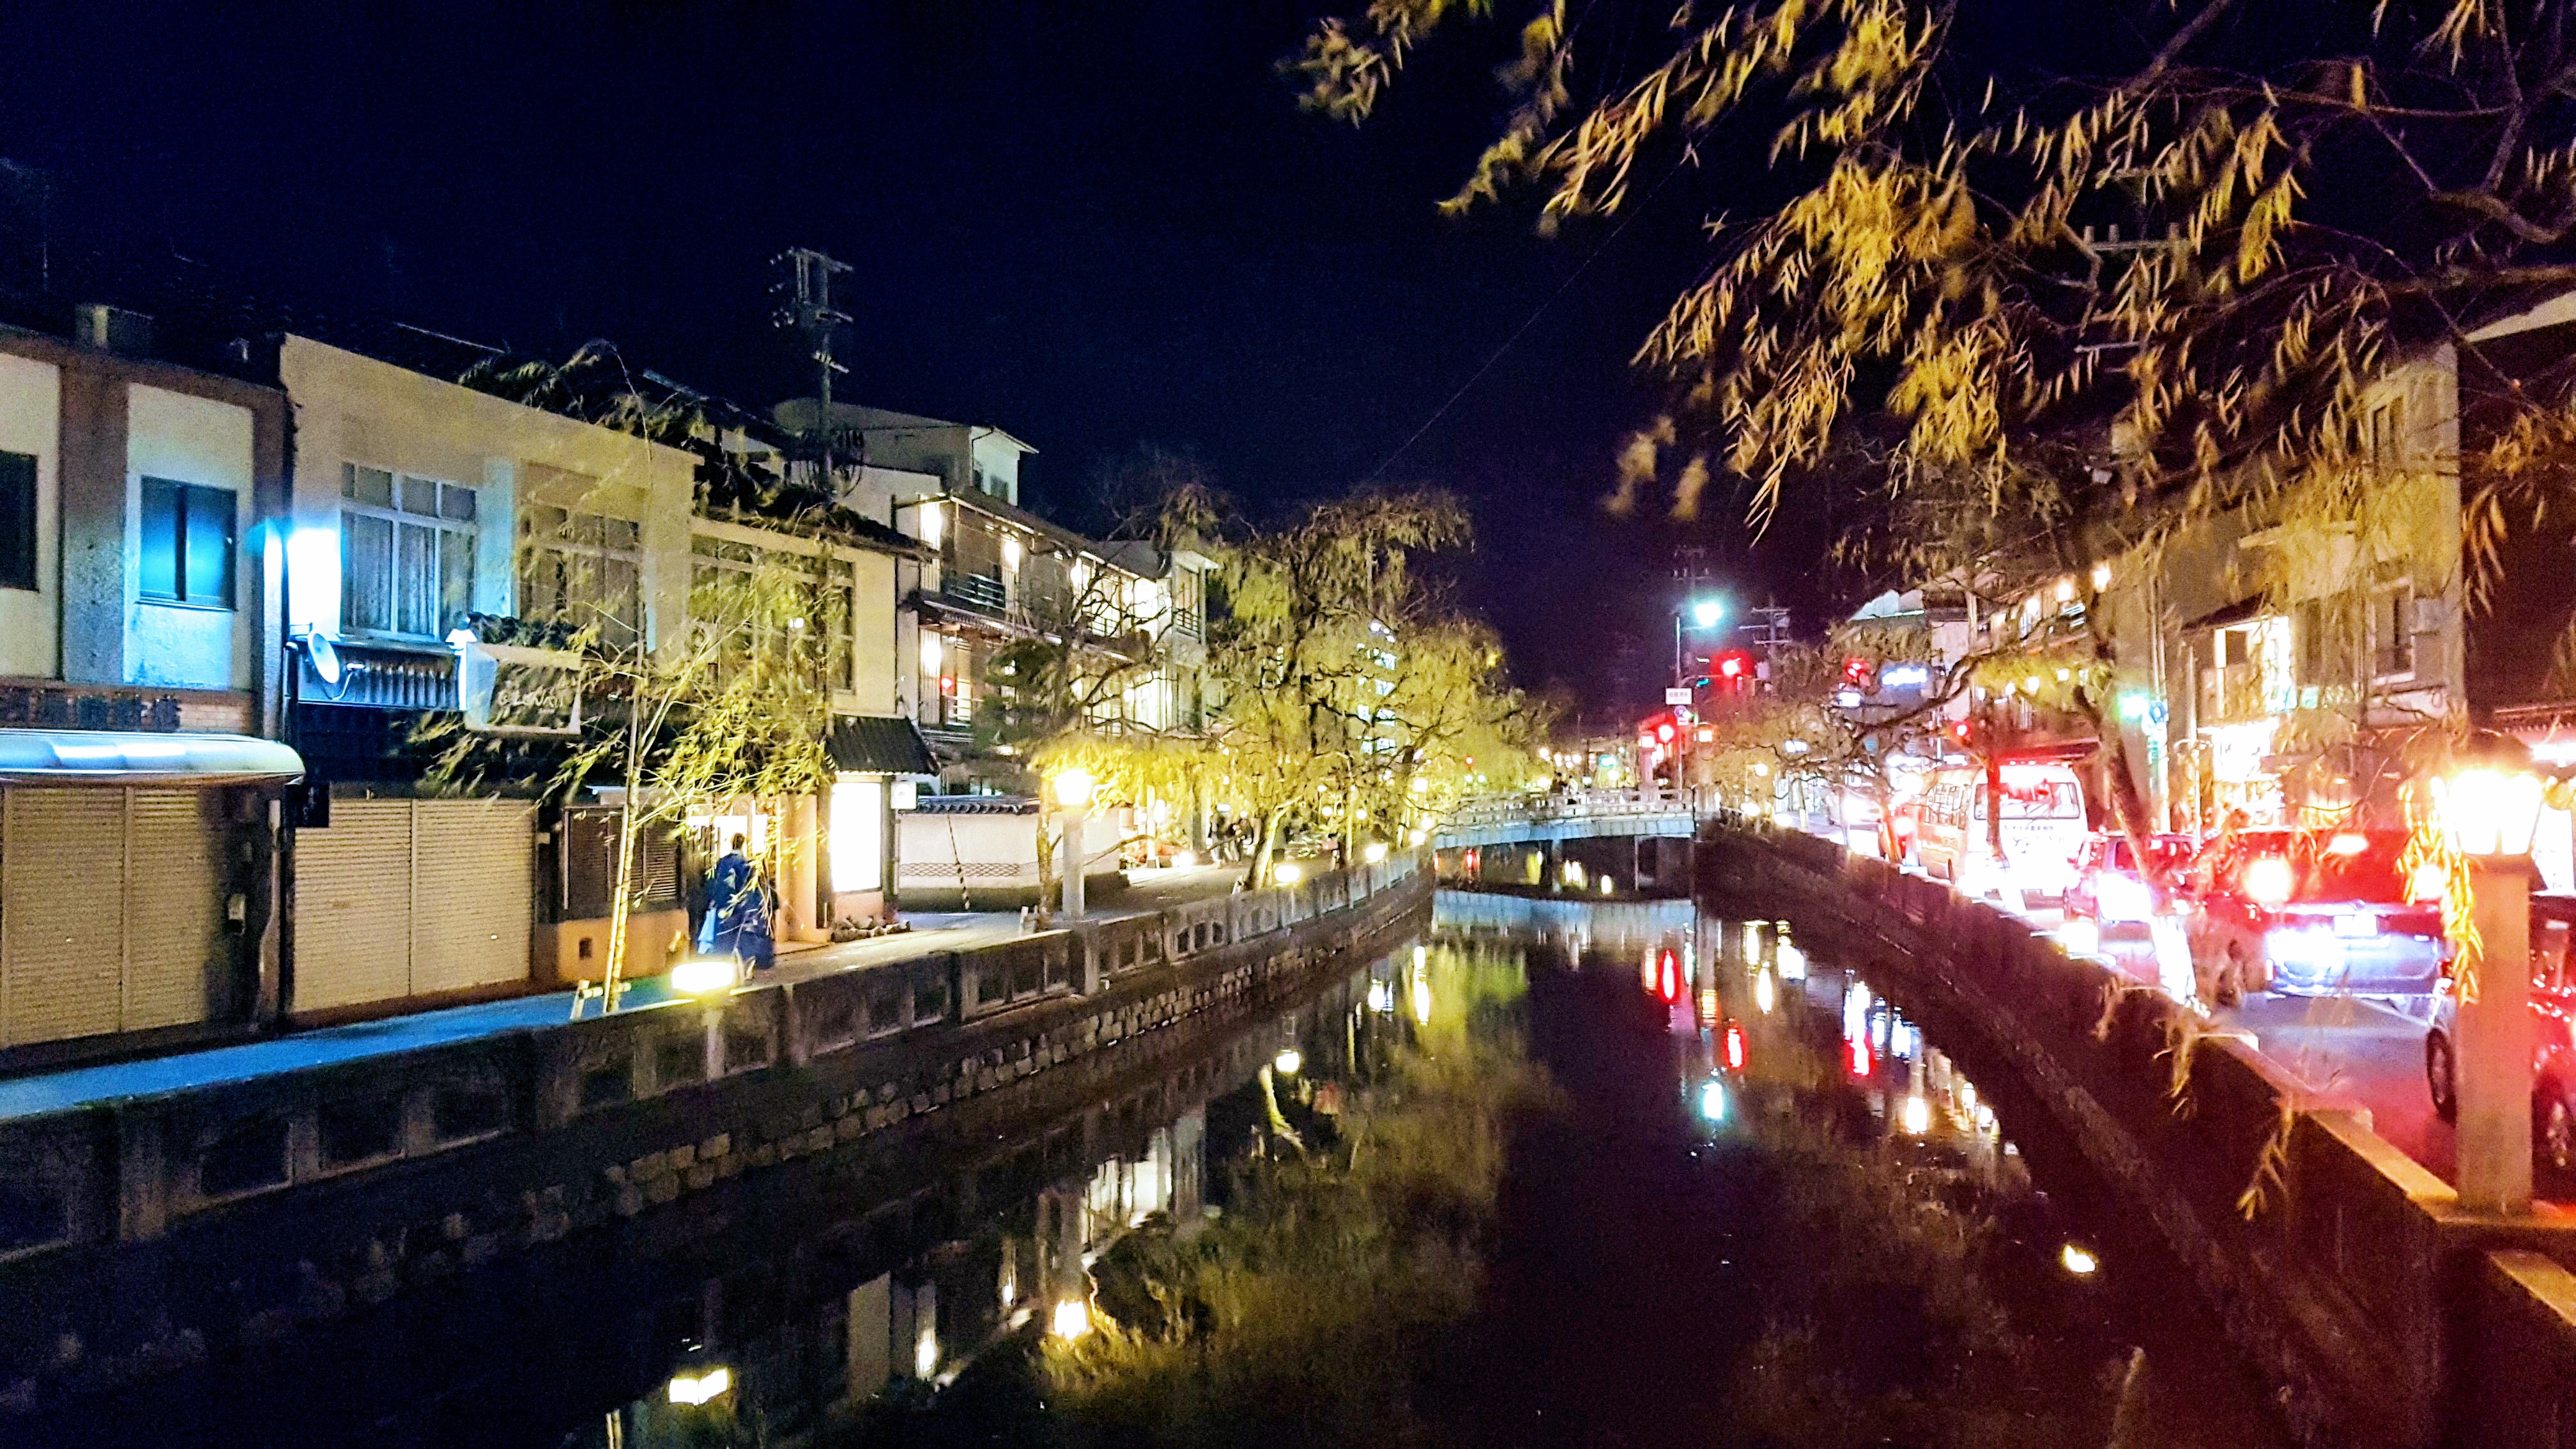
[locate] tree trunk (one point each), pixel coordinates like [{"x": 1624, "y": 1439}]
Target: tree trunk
[
  {"x": 1262, "y": 849},
  {"x": 620, "y": 906}
]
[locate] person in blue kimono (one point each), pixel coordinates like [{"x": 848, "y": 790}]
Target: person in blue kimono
[{"x": 737, "y": 921}]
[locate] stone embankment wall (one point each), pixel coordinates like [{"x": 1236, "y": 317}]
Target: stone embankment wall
[
  {"x": 144, "y": 1235},
  {"x": 2349, "y": 1274}
]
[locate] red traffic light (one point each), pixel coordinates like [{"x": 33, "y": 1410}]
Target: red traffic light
[
  {"x": 1664, "y": 732},
  {"x": 1732, "y": 666}
]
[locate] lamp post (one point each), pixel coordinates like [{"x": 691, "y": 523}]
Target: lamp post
[
  {"x": 1073, "y": 795},
  {"x": 1703, "y": 614},
  {"x": 2488, "y": 808}
]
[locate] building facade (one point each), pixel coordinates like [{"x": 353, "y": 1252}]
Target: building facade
[{"x": 138, "y": 810}]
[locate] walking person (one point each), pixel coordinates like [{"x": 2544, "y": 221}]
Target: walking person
[{"x": 737, "y": 920}]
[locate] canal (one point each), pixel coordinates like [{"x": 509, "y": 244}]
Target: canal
[{"x": 1728, "y": 1193}]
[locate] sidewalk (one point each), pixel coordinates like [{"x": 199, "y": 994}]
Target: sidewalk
[{"x": 951, "y": 931}]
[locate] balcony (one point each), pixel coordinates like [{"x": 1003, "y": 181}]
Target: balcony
[{"x": 980, "y": 590}]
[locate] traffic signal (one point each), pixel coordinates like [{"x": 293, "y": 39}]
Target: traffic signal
[{"x": 1734, "y": 666}]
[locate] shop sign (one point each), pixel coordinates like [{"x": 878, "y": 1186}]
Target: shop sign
[{"x": 506, "y": 689}]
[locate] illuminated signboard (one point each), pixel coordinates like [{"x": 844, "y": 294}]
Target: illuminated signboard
[{"x": 505, "y": 689}]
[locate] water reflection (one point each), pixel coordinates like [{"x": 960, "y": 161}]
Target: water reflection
[{"x": 1014, "y": 1253}]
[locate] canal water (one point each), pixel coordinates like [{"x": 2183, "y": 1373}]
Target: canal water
[{"x": 1760, "y": 1205}]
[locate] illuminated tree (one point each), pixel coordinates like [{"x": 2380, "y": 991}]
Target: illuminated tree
[
  {"x": 2058, "y": 294},
  {"x": 1341, "y": 681}
]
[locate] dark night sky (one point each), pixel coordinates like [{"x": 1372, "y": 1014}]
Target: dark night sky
[{"x": 1095, "y": 226}]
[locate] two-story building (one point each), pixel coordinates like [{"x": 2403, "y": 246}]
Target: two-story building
[
  {"x": 139, "y": 813},
  {"x": 420, "y": 507}
]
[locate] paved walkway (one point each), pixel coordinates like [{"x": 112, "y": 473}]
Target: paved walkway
[{"x": 951, "y": 931}]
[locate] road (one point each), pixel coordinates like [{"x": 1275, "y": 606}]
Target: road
[
  {"x": 952, "y": 931},
  {"x": 2361, "y": 1052}
]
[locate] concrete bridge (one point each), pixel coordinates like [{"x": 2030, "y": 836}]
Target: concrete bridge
[{"x": 1586, "y": 843}]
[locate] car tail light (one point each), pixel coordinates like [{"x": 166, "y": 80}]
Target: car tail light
[{"x": 2269, "y": 881}]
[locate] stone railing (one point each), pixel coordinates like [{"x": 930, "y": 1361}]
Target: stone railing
[
  {"x": 132, "y": 1170},
  {"x": 2348, "y": 1272}
]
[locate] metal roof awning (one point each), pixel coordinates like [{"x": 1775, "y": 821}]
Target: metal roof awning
[
  {"x": 2236, "y": 613},
  {"x": 109, "y": 757},
  {"x": 878, "y": 745}
]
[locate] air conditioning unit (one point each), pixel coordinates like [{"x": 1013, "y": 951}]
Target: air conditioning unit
[
  {"x": 2430, "y": 615},
  {"x": 102, "y": 328}
]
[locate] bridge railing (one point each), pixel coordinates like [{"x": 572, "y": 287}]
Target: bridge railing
[{"x": 1564, "y": 805}]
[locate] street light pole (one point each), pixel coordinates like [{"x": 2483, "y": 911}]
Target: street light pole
[
  {"x": 2487, "y": 813},
  {"x": 1073, "y": 793}
]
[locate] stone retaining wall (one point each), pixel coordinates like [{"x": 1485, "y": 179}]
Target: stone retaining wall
[
  {"x": 157, "y": 1231},
  {"x": 2345, "y": 1269}
]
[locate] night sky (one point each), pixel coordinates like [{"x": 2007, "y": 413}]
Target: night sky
[{"x": 1094, "y": 226}]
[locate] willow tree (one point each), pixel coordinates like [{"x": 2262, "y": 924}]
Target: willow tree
[
  {"x": 1340, "y": 680},
  {"x": 2065, "y": 290}
]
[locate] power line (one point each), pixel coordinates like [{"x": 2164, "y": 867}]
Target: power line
[{"x": 1517, "y": 333}]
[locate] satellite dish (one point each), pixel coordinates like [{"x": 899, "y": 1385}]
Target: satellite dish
[{"x": 325, "y": 659}]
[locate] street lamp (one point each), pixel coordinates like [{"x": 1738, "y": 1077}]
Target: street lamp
[
  {"x": 2488, "y": 808},
  {"x": 1073, "y": 788},
  {"x": 1703, "y": 614}
]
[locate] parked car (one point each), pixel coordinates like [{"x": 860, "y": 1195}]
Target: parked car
[
  {"x": 2553, "y": 1045},
  {"x": 2043, "y": 827},
  {"x": 2111, "y": 890},
  {"x": 2310, "y": 912}
]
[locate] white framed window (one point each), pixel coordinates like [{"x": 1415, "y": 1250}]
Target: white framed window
[
  {"x": 406, "y": 553},
  {"x": 2392, "y": 630},
  {"x": 585, "y": 569}
]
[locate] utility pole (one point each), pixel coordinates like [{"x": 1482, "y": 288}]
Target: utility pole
[{"x": 806, "y": 310}]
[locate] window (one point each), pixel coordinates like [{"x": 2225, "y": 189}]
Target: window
[
  {"x": 187, "y": 544},
  {"x": 406, "y": 553},
  {"x": 2384, "y": 435},
  {"x": 585, "y": 570},
  {"x": 2392, "y": 636},
  {"x": 841, "y": 657},
  {"x": 17, "y": 521}
]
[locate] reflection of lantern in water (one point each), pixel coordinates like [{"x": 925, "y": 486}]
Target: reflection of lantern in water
[
  {"x": 1668, "y": 976},
  {"x": 1918, "y": 1116},
  {"x": 1766, "y": 993},
  {"x": 1735, "y": 1046}
]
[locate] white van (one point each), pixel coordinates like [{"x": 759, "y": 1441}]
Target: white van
[{"x": 2044, "y": 828}]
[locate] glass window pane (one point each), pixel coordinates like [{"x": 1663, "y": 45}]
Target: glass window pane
[
  {"x": 456, "y": 501},
  {"x": 17, "y": 520},
  {"x": 371, "y": 486},
  {"x": 624, "y": 534},
  {"x": 160, "y": 575},
  {"x": 418, "y": 495},
  {"x": 209, "y": 552},
  {"x": 367, "y": 570},
  {"x": 415, "y": 581},
  {"x": 623, "y": 601},
  {"x": 455, "y": 579}
]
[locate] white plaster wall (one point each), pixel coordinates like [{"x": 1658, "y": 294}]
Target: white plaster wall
[
  {"x": 31, "y": 399},
  {"x": 350, "y": 408},
  {"x": 999, "y": 457},
  {"x": 187, "y": 440},
  {"x": 876, "y": 635}
]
